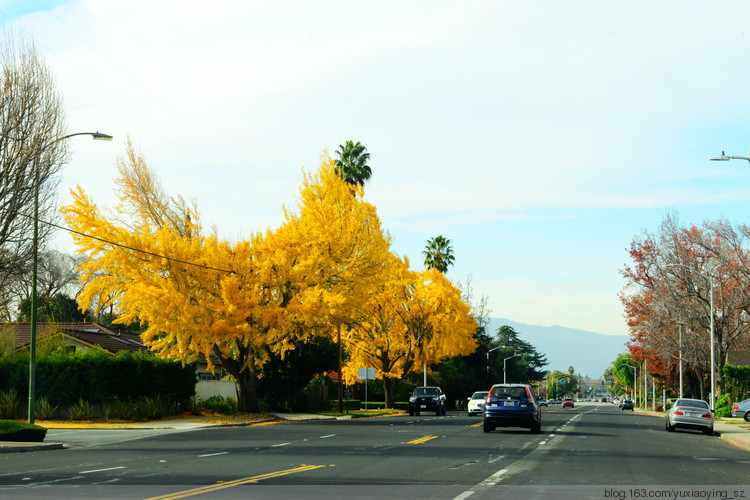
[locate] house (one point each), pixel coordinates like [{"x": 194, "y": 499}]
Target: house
[{"x": 81, "y": 337}]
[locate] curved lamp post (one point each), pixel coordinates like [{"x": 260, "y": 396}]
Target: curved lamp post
[
  {"x": 506, "y": 359},
  {"x": 35, "y": 245},
  {"x": 635, "y": 383}
]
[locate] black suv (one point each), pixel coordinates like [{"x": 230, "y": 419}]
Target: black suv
[
  {"x": 427, "y": 399},
  {"x": 627, "y": 404}
]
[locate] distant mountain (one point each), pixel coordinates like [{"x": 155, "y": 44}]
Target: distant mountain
[{"x": 588, "y": 353}]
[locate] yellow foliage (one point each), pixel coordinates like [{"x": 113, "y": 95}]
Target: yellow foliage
[{"x": 416, "y": 318}]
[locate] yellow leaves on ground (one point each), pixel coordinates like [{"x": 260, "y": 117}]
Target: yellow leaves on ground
[{"x": 328, "y": 264}]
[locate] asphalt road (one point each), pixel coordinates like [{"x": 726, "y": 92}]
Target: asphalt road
[{"x": 592, "y": 451}]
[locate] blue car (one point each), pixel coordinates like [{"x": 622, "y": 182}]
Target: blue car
[{"x": 512, "y": 405}]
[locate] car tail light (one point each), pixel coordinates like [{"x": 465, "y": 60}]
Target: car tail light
[
  {"x": 707, "y": 415},
  {"x": 678, "y": 412},
  {"x": 736, "y": 407},
  {"x": 489, "y": 397}
]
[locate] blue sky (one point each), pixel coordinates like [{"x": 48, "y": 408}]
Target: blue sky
[{"x": 540, "y": 137}]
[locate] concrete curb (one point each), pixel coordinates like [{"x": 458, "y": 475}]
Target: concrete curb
[{"x": 16, "y": 447}]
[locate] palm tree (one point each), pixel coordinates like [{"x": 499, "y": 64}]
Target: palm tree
[
  {"x": 352, "y": 163},
  {"x": 438, "y": 254}
]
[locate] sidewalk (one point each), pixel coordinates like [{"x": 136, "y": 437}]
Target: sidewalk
[
  {"x": 732, "y": 430},
  {"x": 177, "y": 423}
]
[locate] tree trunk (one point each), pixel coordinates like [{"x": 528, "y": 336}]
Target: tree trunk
[
  {"x": 247, "y": 390},
  {"x": 245, "y": 377},
  {"x": 389, "y": 386}
]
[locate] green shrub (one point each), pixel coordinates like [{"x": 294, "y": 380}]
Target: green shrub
[
  {"x": 21, "y": 431},
  {"x": 9, "y": 403},
  {"x": 724, "y": 406},
  {"x": 80, "y": 410},
  {"x": 127, "y": 409},
  {"x": 43, "y": 410},
  {"x": 220, "y": 404}
]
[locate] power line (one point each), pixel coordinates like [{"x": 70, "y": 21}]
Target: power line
[{"x": 126, "y": 247}]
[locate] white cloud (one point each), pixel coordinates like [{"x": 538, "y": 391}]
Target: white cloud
[{"x": 476, "y": 113}]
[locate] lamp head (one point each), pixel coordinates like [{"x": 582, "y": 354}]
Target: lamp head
[
  {"x": 98, "y": 136},
  {"x": 723, "y": 157}
]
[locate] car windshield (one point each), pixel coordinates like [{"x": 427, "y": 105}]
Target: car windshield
[
  {"x": 479, "y": 395},
  {"x": 692, "y": 403},
  {"x": 509, "y": 392},
  {"x": 426, "y": 391}
]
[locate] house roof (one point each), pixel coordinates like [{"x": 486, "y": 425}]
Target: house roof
[
  {"x": 738, "y": 357},
  {"x": 91, "y": 334}
]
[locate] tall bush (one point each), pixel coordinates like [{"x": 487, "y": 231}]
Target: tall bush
[{"x": 737, "y": 380}]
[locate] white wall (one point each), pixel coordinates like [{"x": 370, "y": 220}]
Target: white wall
[{"x": 204, "y": 389}]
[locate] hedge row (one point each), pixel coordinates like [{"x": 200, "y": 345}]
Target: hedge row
[
  {"x": 20, "y": 431},
  {"x": 64, "y": 379}
]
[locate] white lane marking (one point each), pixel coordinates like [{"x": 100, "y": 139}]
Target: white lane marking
[
  {"x": 551, "y": 435},
  {"x": 213, "y": 454},
  {"x": 494, "y": 478},
  {"x": 542, "y": 443},
  {"x": 328, "y": 436},
  {"x": 100, "y": 470},
  {"x": 280, "y": 444},
  {"x": 464, "y": 495},
  {"x": 493, "y": 460}
]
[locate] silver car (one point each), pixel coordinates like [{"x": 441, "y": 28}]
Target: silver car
[
  {"x": 476, "y": 403},
  {"x": 691, "y": 414},
  {"x": 742, "y": 409}
]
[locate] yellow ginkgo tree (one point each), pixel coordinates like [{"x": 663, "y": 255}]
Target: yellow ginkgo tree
[
  {"x": 415, "y": 319},
  {"x": 150, "y": 260}
]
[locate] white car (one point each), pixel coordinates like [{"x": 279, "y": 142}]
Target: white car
[{"x": 476, "y": 403}]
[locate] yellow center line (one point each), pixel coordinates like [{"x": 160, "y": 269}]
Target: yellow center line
[
  {"x": 476, "y": 425},
  {"x": 236, "y": 482},
  {"x": 421, "y": 440}
]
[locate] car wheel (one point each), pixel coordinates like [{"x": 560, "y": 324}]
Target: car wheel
[
  {"x": 670, "y": 428},
  {"x": 411, "y": 413},
  {"x": 536, "y": 428},
  {"x": 444, "y": 411},
  {"x": 487, "y": 427},
  {"x": 708, "y": 432},
  {"x": 747, "y": 416}
]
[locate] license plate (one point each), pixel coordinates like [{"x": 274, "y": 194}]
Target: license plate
[
  {"x": 508, "y": 403},
  {"x": 424, "y": 406}
]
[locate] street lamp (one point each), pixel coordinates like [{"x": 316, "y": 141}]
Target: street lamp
[
  {"x": 635, "y": 382},
  {"x": 710, "y": 279},
  {"x": 488, "y": 356},
  {"x": 506, "y": 359},
  {"x": 35, "y": 251}
]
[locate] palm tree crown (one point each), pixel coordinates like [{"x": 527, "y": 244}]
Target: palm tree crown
[
  {"x": 352, "y": 163},
  {"x": 438, "y": 254}
]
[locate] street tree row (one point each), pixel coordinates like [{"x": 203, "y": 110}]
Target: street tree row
[{"x": 675, "y": 278}]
